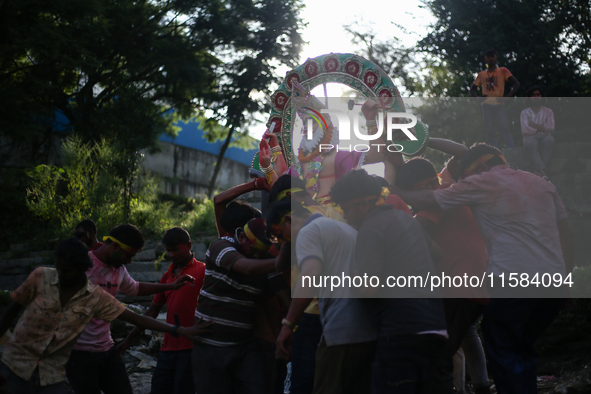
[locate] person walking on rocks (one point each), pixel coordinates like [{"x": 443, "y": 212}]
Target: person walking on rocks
[
  {"x": 95, "y": 365},
  {"x": 59, "y": 302}
]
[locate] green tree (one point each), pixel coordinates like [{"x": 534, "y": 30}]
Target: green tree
[
  {"x": 542, "y": 42},
  {"x": 125, "y": 70},
  {"x": 265, "y": 34}
]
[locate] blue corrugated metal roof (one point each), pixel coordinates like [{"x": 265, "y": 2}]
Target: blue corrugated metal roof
[{"x": 191, "y": 136}]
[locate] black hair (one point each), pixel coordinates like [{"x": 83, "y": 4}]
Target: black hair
[
  {"x": 285, "y": 182},
  {"x": 381, "y": 181},
  {"x": 128, "y": 234},
  {"x": 475, "y": 152},
  {"x": 87, "y": 225},
  {"x": 74, "y": 252},
  {"x": 354, "y": 184},
  {"x": 176, "y": 236},
  {"x": 531, "y": 91},
  {"x": 283, "y": 207},
  {"x": 490, "y": 52},
  {"x": 237, "y": 214},
  {"x": 413, "y": 172}
]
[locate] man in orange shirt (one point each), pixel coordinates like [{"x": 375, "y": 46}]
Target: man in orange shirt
[{"x": 493, "y": 81}]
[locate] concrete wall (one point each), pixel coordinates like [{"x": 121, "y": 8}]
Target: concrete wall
[
  {"x": 570, "y": 171},
  {"x": 186, "y": 171}
]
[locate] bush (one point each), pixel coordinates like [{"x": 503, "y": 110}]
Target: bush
[{"x": 91, "y": 184}]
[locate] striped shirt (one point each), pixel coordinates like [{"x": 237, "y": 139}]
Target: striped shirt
[
  {"x": 545, "y": 117},
  {"x": 230, "y": 298}
]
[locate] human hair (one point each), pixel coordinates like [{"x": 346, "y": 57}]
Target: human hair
[
  {"x": 354, "y": 184},
  {"x": 475, "y": 152},
  {"x": 258, "y": 228},
  {"x": 237, "y": 214},
  {"x": 128, "y": 234},
  {"x": 381, "y": 181},
  {"x": 490, "y": 52},
  {"x": 284, "y": 207},
  {"x": 414, "y": 171},
  {"x": 87, "y": 225},
  {"x": 74, "y": 252},
  {"x": 531, "y": 91},
  {"x": 176, "y": 236},
  {"x": 285, "y": 182}
]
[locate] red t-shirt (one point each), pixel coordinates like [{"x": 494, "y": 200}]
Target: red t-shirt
[
  {"x": 96, "y": 246},
  {"x": 393, "y": 199},
  {"x": 182, "y": 302},
  {"x": 465, "y": 251}
]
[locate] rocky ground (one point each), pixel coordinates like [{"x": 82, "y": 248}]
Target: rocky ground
[{"x": 565, "y": 348}]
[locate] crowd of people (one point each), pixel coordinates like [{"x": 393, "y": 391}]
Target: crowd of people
[{"x": 236, "y": 320}]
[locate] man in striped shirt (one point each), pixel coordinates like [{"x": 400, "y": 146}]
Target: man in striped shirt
[{"x": 237, "y": 273}]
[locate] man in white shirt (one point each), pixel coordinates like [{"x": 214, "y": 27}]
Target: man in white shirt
[{"x": 537, "y": 124}]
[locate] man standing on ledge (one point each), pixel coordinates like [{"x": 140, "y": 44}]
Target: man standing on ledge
[{"x": 493, "y": 81}]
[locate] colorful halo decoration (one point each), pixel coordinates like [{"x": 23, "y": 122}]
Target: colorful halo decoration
[{"x": 350, "y": 70}]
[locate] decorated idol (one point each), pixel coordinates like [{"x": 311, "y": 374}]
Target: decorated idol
[{"x": 318, "y": 159}]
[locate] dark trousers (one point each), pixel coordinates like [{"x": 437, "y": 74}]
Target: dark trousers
[
  {"x": 344, "y": 369},
  {"x": 93, "y": 372},
  {"x": 460, "y": 314},
  {"x": 11, "y": 383},
  {"x": 405, "y": 364},
  {"x": 229, "y": 369},
  {"x": 173, "y": 373},
  {"x": 495, "y": 116},
  {"x": 303, "y": 354},
  {"x": 510, "y": 328}
]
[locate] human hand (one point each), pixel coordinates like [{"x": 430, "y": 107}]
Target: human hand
[
  {"x": 370, "y": 109},
  {"x": 260, "y": 183},
  {"x": 284, "y": 341},
  {"x": 123, "y": 346},
  {"x": 201, "y": 327},
  {"x": 264, "y": 154},
  {"x": 273, "y": 140},
  {"x": 181, "y": 281}
]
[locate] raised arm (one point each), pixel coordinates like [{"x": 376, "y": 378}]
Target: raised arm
[
  {"x": 221, "y": 200},
  {"x": 419, "y": 199}
]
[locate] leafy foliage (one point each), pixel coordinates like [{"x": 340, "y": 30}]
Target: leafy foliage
[
  {"x": 542, "y": 42},
  {"x": 89, "y": 185}
]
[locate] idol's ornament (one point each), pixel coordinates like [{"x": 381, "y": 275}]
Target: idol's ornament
[{"x": 293, "y": 99}]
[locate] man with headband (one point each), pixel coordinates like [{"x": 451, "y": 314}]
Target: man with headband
[
  {"x": 526, "y": 231},
  {"x": 95, "y": 364},
  {"x": 391, "y": 244},
  {"x": 325, "y": 246},
  {"x": 238, "y": 270}
]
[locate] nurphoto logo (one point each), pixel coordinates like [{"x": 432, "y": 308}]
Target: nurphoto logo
[{"x": 346, "y": 120}]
